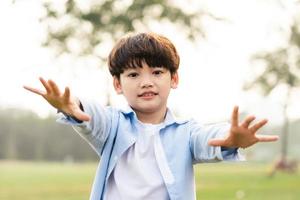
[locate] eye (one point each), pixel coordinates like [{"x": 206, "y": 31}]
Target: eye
[
  {"x": 158, "y": 72},
  {"x": 132, "y": 74}
]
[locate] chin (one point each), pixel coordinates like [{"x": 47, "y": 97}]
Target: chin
[{"x": 147, "y": 109}]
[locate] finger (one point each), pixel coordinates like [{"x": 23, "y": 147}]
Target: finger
[
  {"x": 258, "y": 125},
  {"x": 216, "y": 142},
  {"x": 267, "y": 138},
  {"x": 46, "y": 85},
  {"x": 82, "y": 116},
  {"x": 247, "y": 121},
  {"x": 234, "y": 117},
  {"x": 54, "y": 87},
  {"x": 67, "y": 94},
  {"x": 34, "y": 90}
]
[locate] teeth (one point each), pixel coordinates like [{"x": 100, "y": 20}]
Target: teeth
[{"x": 148, "y": 94}]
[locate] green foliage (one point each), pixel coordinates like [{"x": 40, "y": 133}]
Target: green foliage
[
  {"x": 280, "y": 66},
  {"x": 25, "y": 136},
  {"x": 80, "y": 29}
]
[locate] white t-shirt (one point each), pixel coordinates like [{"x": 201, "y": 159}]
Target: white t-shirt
[{"x": 137, "y": 174}]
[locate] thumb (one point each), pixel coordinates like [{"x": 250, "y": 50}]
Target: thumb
[
  {"x": 82, "y": 116},
  {"x": 216, "y": 142}
]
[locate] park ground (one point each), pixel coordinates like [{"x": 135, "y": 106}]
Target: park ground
[{"x": 72, "y": 181}]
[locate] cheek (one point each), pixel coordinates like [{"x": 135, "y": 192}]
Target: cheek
[
  {"x": 165, "y": 89},
  {"x": 128, "y": 90},
  {"x": 127, "y": 85}
]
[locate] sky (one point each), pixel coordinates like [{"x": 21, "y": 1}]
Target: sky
[{"x": 212, "y": 71}]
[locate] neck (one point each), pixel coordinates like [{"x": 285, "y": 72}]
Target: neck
[{"x": 152, "y": 117}]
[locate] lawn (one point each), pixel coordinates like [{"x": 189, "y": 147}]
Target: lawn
[{"x": 226, "y": 181}]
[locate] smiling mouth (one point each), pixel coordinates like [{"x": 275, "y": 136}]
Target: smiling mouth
[{"x": 147, "y": 94}]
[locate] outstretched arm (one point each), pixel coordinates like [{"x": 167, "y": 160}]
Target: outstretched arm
[
  {"x": 62, "y": 101},
  {"x": 243, "y": 135}
]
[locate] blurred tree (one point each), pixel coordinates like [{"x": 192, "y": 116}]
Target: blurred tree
[
  {"x": 81, "y": 28},
  {"x": 281, "y": 67},
  {"x": 88, "y": 29},
  {"x": 25, "y": 136}
]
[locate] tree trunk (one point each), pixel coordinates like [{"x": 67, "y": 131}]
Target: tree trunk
[
  {"x": 283, "y": 164},
  {"x": 285, "y": 132}
]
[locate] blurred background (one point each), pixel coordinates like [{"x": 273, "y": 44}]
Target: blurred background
[{"x": 244, "y": 53}]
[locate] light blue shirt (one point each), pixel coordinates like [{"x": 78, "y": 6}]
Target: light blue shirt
[{"x": 112, "y": 131}]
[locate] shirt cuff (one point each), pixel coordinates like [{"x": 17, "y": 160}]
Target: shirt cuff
[
  {"x": 70, "y": 118},
  {"x": 229, "y": 153}
]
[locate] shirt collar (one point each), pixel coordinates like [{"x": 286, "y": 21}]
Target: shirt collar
[{"x": 169, "y": 119}]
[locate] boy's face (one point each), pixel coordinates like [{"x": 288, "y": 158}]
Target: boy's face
[{"x": 146, "y": 89}]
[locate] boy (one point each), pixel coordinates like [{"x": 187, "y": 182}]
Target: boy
[{"x": 145, "y": 152}]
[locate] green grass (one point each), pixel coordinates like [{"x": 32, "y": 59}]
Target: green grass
[
  {"x": 226, "y": 181},
  {"x": 36, "y": 181},
  {"x": 248, "y": 181}
]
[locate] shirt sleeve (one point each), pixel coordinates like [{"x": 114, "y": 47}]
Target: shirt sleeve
[
  {"x": 95, "y": 131},
  {"x": 231, "y": 154},
  {"x": 71, "y": 118},
  {"x": 201, "y": 151}
]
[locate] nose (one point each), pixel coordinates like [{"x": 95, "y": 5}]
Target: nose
[{"x": 146, "y": 82}]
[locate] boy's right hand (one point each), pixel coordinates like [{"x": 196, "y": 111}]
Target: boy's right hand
[{"x": 61, "y": 101}]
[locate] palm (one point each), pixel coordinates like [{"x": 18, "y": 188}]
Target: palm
[
  {"x": 61, "y": 101},
  {"x": 243, "y": 135}
]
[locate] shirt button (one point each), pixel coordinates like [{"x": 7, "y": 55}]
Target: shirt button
[{"x": 116, "y": 158}]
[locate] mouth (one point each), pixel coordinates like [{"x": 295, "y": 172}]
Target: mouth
[{"x": 148, "y": 94}]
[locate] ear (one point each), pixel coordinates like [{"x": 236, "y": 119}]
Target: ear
[
  {"x": 117, "y": 85},
  {"x": 174, "y": 80}
]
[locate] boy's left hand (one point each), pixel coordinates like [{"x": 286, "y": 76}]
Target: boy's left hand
[{"x": 243, "y": 135}]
